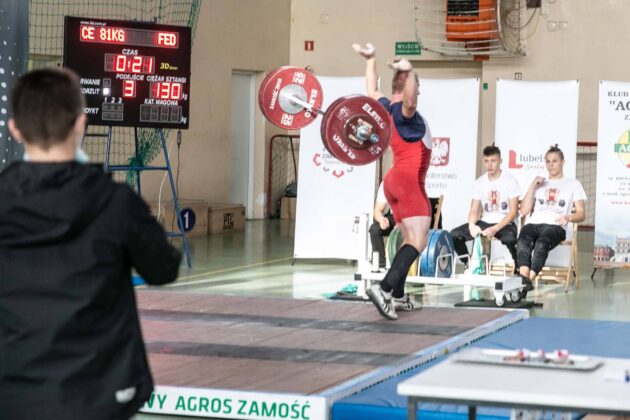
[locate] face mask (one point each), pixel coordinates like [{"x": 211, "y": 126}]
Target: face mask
[{"x": 80, "y": 157}]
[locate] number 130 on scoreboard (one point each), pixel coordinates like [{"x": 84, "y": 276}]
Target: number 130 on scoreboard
[{"x": 158, "y": 90}]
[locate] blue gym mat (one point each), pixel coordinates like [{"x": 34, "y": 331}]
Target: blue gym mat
[{"x": 596, "y": 338}]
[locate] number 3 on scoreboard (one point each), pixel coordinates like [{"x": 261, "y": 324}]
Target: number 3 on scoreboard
[{"x": 129, "y": 89}]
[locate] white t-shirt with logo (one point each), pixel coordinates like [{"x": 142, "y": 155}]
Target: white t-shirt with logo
[
  {"x": 554, "y": 198},
  {"x": 495, "y": 195},
  {"x": 380, "y": 198}
]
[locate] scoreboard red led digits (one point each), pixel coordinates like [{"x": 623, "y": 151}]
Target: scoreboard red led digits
[{"x": 133, "y": 74}]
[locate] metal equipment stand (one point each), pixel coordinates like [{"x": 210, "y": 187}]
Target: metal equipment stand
[{"x": 139, "y": 168}]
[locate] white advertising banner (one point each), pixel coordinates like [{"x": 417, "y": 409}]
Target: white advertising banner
[
  {"x": 330, "y": 193},
  {"x": 451, "y": 108},
  {"x": 530, "y": 117},
  {"x": 612, "y": 225}
]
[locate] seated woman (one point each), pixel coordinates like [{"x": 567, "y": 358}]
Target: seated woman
[{"x": 547, "y": 204}]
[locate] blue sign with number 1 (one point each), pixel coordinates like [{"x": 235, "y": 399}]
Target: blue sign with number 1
[{"x": 188, "y": 219}]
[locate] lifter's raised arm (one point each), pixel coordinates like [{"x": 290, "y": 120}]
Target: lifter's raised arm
[
  {"x": 402, "y": 66},
  {"x": 371, "y": 77}
]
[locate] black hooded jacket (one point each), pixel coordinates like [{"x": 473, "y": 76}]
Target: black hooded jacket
[{"x": 70, "y": 340}]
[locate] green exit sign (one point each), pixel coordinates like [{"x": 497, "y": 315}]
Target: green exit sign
[{"x": 407, "y": 48}]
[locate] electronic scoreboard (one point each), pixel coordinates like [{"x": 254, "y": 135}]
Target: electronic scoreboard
[{"x": 132, "y": 74}]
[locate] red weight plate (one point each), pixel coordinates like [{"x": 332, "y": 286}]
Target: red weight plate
[
  {"x": 276, "y": 91},
  {"x": 356, "y": 129}
]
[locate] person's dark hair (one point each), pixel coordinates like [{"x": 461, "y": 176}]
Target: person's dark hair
[
  {"x": 491, "y": 151},
  {"x": 46, "y": 104},
  {"x": 555, "y": 149}
]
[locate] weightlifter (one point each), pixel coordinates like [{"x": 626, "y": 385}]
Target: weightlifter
[{"x": 404, "y": 183}]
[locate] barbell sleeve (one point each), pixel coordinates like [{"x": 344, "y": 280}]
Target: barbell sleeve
[{"x": 303, "y": 104}]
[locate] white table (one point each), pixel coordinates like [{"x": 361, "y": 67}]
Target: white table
[{"x": 475, "y": 384}]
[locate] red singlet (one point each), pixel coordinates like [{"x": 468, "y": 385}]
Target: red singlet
[{"x": 404, "y": 183}]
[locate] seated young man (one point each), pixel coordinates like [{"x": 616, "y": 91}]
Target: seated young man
[
  {"x": 383, "y": 225},
  {"x": 493, "y": 208},
  {"x": 70, "y": 341},
  {"x": 547, "y": 206}
]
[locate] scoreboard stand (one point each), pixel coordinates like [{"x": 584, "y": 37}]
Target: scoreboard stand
[
  {"x": 139, "y": 168},
  {"x": 133, "y": 74}
]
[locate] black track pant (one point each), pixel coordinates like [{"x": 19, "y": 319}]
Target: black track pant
[
  {"x": 461, "y": 234},
  {"x": 534, "y": 243},
  {"x": 376, "y": 238}
]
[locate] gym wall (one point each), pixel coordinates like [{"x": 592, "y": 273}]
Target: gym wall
[
  {"x": 260, "y": 35},
  {"x": 248, "y": 35},
  {"x": 591, "y": 48}
]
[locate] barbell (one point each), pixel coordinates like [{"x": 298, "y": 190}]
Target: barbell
[{"x": 355, "y": 129}]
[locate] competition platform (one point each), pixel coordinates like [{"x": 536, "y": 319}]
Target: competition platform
[{"x": 269, "y": 358}]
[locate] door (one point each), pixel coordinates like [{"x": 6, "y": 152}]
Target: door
[{"x": 242, "y": 141}]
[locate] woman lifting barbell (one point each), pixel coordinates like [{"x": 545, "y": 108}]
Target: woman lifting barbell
[{"x": 411, "y": 145}]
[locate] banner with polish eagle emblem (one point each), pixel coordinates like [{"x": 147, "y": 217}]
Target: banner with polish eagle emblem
[{"x": 451, "y": 108}]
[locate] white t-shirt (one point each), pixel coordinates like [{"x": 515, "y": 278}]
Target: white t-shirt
[
  {"x": 380, "y": 198},
  {"x": 555, "y": 198},
  {"x": 495, "y": 195}
]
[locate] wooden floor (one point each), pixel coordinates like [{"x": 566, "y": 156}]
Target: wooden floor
[{"x": 283, "y": 345}]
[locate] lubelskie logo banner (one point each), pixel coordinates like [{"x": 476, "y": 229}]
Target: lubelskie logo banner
[{"x": 526, "y": 161}]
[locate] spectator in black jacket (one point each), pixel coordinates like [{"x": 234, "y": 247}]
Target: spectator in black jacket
[{"x": 70, "y": 340}]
